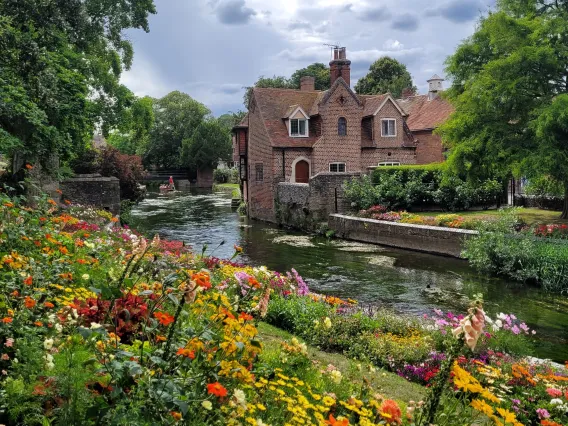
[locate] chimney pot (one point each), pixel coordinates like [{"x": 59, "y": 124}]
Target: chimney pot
[
  {"x": 340, "y": 66},
  {"x": 307, "y": 83}
]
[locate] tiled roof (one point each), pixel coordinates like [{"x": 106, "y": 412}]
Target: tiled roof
[
  {"x": 425, "y": 114},
  {"x": 372, "y": 103},
  {"x": 244, "y": 122},
  {"x": 274, "y": 104}
]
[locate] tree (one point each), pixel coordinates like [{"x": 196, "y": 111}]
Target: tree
[
  {"x": 317, "y": 70},
  {"x": 132, "y": 136},
  {"x": 60, "y": 69},
  {"x": 177, "y": 116},
  {"x": 209, "y": 143},
  {"x": 231, "y": 119},
  {"x": 385, "y": 75},
  {"x": 509, "y": 89},
  {"x": 276, "y": 82}
]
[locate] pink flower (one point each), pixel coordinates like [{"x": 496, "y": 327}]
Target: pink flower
[
  {"x": 5, "y": 357},
  {"x": 555, "y": 393},
  {"x": 524, "y": 327},
  {"x": 542, "y": 413},
  {"x": 9, "y": 342},
  {"x": 515, "y": 330}
]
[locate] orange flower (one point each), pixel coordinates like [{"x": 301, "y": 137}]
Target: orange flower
[
  {"x": 202, "y": 280},
  {"x": 160, "y": 338},
  {"x": 53, "y": 203},
  {"x": 67, "y": 202},
  {"x": 15, "y": 293},
  {"x": 28, "y": 280},
  {"x": 546, "y": 422},
  {"x": 254, "y": 283},
  {"x": 10, "y": 205},
  {"x": 164, "y": 318},
  {"x": 187, "y": 353},
  {"x": 63, "y": 250},
  {"x": 238, "y": 249},
  {"x": 29, "y": 302},
  {"x": 59, "y": 191},
  {"x": 79, "y": 243},
  {"x": 49, "y": 305},
  {"x": 334, "y": 422},
  {"x": 216, "y": 389},
  {"x": 246, "y": 316},
  {"x": 114, "y": 219},
  {"x": 81, "y": 261},
  {"x": 37, "y": 243},
  {"x": 176, "y": 416},
  {"x": 38, "y": 323},
  {"x": 7, "y": 320},
  {"x": 392, "y": 411}
]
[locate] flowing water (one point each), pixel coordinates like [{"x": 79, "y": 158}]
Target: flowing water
[{"x": 406, "y": 281}]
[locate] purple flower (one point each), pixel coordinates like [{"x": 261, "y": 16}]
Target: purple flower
[
  {"x": 303, "y": 289},
  {"x": 515, "y": 330},
  {"x": 542, "y": 413}
]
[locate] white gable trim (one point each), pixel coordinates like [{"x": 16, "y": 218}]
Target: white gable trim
[
  {"x": 387, "y": 98},
  {"x": 306, "y": 116}
]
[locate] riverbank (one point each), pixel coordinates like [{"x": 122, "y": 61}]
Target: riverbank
[{"x": 152, "y": 313}]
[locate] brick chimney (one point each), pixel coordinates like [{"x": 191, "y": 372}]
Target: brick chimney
[
  {"x": 307, "y": 84},
  {"x": 340, "y": 66},
  {"x": 435, "y": 86}
]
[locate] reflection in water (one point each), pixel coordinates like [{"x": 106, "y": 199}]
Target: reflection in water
[{"x": 402, "y": 280}]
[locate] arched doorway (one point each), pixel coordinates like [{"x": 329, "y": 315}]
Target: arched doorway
[{"x": 302, "y": 170}]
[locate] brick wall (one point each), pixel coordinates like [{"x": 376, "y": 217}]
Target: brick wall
[
  {"x": 429, "y": 148},
  {"x": 388, "y": 111},
  {"x": 371, "y": 157},
  {"x": 290, "y": 156},
  {"x": 332, "y": 147},
  {"x": 431, "y": 239},
  {"x": 260, "y": 193},
  {"x": 93, "y": 190}
]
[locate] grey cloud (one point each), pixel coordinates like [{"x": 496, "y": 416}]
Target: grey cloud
[
  {"x": 323, "y": 28},
  {"x": 405, "y": 22},
  {"x": 299, "y": 25},
  {"x": 233, "y": 12},
  {"x": 458, "y": 11},
  {"x": 375, "y": 14},
  {"x": 230, "y": 89}
]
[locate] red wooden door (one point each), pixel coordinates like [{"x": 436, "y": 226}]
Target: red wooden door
[{"x": 302, "y": 172}]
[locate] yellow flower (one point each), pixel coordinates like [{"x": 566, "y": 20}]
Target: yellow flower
[
  {"x": 482, "y": 407},
  {"x": 327, "y": 322},
  {"x": 261, "y": 407},
  {"x": 207, "y": 405}
]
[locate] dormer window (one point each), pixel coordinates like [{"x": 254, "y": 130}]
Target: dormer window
[
  {"x": 388, "y": 127},
  {"x": 298, "y": 128}
]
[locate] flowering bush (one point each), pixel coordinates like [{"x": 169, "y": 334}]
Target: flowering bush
[{"x": 552, "y": 231}]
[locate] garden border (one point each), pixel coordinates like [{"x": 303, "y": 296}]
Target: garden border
[{"x": 424, "y": 238}]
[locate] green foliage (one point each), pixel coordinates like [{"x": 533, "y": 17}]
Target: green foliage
[
  {"x": 317, "y": 70},
  {"x": 226, "y": 175},
  {"x": 208, "y": 144},
  {"x": 177, "y": 117},
  {"x": 385, "y": 75},
  {"x": 231, "y": 119},
  {"x": 133, "y": 133},
  {"x": 60, "y": 71},
  {"x": 412, "y": 187},
  {"x": 509, "y": 92},
  {"x": 544, "y": 186}
]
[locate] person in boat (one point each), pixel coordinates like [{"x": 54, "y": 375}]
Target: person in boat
[{"x": 171, "y": 184}]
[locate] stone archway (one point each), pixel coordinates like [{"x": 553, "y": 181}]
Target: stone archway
[{"x": 301, "y": 170}]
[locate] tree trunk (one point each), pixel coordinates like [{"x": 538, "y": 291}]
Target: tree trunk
[{"x": 565, "y": 209}]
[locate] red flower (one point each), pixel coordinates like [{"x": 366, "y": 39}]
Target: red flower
[
  {"x": 186, "y": 353},
  {"x": 49, "y": 305},
  {"x": 216, "y": 389},
  {"x": 164, "y": 318},
  {"x": 333, "y": 422},
  {"x": 202, "y": 279},
  {"x": 29, "y": 302},
  {"x": 391, "y": 408},
  {"x": 7, "y": 320},
  {"x": 246, "y": 316},
  {"x": 28, "y": 280}
]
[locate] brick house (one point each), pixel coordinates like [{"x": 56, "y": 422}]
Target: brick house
[{"x": 292, "y": 135}]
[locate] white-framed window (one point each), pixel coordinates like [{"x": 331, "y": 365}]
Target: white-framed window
[
  {"x": 389, "y": 163},
  {"x": 337, "y": 167},
  {"x": 298, "y": 128},
  {"x": 388, "y": 127}
]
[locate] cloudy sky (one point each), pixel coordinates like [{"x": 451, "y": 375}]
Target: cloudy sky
[{"x": 210, "y": 49}]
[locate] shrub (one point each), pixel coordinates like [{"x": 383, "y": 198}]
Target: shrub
[
  {"x": 221, "y": 175},
  {"x": 127, "y": 168},
  {"x": 544, "y": 186}
]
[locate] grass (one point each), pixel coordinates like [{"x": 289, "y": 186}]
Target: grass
[
  {"x": 227, "y": 185},
  {"x": 390, "y": 384},
  {"x": 531, "y": 216}
]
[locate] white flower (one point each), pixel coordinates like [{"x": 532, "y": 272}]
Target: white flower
[
  {"x": 556, "y": 401},
  {"x": 48, "y": 344},
  {"x": 327, "y": 322},
  {"x": 89, "y": 245},
  {"x": 303, "y": 348},
  {"x": 207, "y": 405},
  {"x": 240, "y": 397},
  {"x": 85, "y": 277},
  {"x": 59, "y": 328},
  {"x": 95, "y": 326},
  {"x": 372, "y": 369},
  {"x": 502, "y": 316},
  {"x": 50, "y": 365},
  {"x": 259, "y": 422}
]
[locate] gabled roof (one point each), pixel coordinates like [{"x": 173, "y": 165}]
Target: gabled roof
[
  {"x": 388, "y": 97},
  {"x": 244, "y": 123},
  {"x": 425, "y": 114},
  {"x": 293, "y": 110}
]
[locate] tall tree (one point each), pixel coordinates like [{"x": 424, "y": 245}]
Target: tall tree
[
  {"x": 231, "y": 119},
  {"x": 177, "y": 116},
  {"x": 317, "y": 70},
  {"x": 509, "y": 88},
  {"x": 209, "y": 143},
  {"x": 132, "y": 135},
  {"x": 276, "y": 82},
  {"x": 60, "y": 67},
  {"x": 385, "y": 75}
]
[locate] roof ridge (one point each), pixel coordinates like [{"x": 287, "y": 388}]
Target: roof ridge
[{"x": 289, "y": 90}]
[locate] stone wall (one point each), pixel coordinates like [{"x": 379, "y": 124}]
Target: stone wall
[
  {"x": 305, "y": 205},
  {"x": 93, "y": 190},
  {"x": 430, "y": 239}
]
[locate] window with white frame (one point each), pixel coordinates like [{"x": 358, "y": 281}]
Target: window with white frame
[
  {"x": 298, "y": 127},
  {"x": 337, "y": 167},
  {"x": 388, "y": 127},
  {"x": 389, "y": 163}
]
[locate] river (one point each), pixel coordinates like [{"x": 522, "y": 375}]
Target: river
[{"x": 405, "y": 281}]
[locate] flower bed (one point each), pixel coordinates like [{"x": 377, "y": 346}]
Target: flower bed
[
  {"x": 379, "y": 212},
  {"x": 100, "y": 326}
]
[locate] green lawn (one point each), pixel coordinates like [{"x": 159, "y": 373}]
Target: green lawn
[
  {"x": 385, "y": 382},
  {"x": 227, "y": 185},
  {"x": 530, "y": 215}
]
